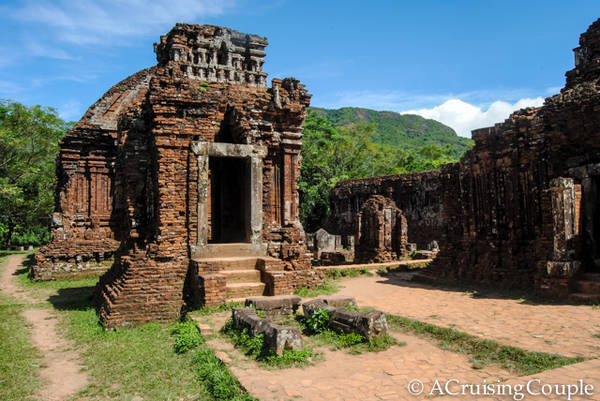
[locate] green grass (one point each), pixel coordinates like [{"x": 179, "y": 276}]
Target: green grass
[
  {"x": 481, "y": 351},
  {"x": 209, "y": 310},
  {"x": 19, "y": 360},
  {"x": 255, "y": 347},
  {"x": 134, "y": 363},
  {"x": 327, "y": 287},
  {"x": 220, "y": 382}
]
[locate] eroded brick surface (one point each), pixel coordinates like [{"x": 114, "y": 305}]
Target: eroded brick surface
[{"x": 199, "y": 128}]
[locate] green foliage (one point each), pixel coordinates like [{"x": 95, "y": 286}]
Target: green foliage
[
  {"x": 28, "y": 144},
  {"x": 406, "y": 131},
  {"x": 225, "y": 307},
  {"x": 19, "y": 359},
  {"x": 349, "y": 339},
  {"x": 221, "y": 383},
  {"x": 187, "y": 337},
  {"x": 254, "y": 346},
  {"x": 325, "y": 288},
  {"x": 337, "y": 149},
  {"x": 318, "y": 322},
  {"x": 334, "y": 274}
]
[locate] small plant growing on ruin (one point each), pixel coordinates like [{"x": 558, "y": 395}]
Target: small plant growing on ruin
[
  {"x": 349, "y": 339},
  {"x": 318, "y": 321},
  {"x": 254, "y": 346},
  {"x": 352, "y": 308},
  {"x": 334, "y": 274},
  {"x": 187, "y": 337}
]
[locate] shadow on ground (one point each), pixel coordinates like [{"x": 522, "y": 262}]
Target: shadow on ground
[
  {"x": 79, "y": 298},
  {"x": 474, "y": 290}
]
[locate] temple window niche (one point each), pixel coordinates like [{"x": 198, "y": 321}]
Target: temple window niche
[{"x": 223, "y": 55}]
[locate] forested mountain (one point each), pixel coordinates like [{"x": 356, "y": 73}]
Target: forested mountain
[{"x": 408, "y": 131}]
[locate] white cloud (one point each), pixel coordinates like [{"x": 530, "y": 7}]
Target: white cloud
[
  {"x": 86, "y": 22},
  {"x": 464, "y": 117}
]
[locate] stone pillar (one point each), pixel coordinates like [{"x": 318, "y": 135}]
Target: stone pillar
[{"x": 203, "y": 188}]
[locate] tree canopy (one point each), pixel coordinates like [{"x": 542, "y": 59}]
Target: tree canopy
[
  {"x": 330, "y": 155},
  {"x": 28, "y": 144}
]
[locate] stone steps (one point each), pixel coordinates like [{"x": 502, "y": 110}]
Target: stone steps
[
  {"x": 587, "y": 286},
  {"x": 241, "y": 276},
  {"x": 587, "y": 289},
  {"x": 230, "y": 250},
  {"x": 586, "y": 298},
  {"x": 243, "y": 290},
  {"x": 591, "y": 276},
  {"x": 230, "y": 263}
]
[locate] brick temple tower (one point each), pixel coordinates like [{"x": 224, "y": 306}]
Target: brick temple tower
[{"x": 184, "y": 175}]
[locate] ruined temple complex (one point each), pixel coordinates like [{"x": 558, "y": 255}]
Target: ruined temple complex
[
  {"x": 179, "y": 185},
  {"x": 181, "y": 181},
  {"x": 521, "y": 208}
]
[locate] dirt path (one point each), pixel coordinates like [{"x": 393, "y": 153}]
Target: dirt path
[{"x": 61, "y": 368}]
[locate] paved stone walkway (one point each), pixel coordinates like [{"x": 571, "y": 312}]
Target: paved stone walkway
[
  {"x": 365, "y": 377},
  {"x": 564, "y": 329},
  {"x": 570, "y": 330}
]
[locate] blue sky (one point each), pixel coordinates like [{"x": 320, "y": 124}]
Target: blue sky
[{"x": 465, "y": 63}]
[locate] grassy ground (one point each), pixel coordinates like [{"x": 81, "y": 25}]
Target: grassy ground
[
  {"x": 19, "y": 360},
  {"x": 481, "y": 351},
  {"x": 129, "y": 364}
]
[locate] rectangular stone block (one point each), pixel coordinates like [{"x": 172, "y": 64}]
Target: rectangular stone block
[
  {"x": 280, "y": 305},
  {"x": 278, "y": 338}
]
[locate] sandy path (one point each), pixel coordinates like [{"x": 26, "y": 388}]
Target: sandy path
[{"x": 61, "y": 368}]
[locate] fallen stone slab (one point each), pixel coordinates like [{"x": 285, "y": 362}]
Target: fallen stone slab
[
  {"x": 277, "y": 337},
  {"x": 311, "y": 307},
  {"x": 368, "y": 324},
  {"x": 279, "y": 305},
  {"x": 338, "y": 301}
]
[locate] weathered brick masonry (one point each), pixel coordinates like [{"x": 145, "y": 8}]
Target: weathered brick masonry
[
  {"x": 204, "y": 163},
  {"x": 521, "y": 208},
  {"x": 418, "y": 195},
  {"x": 526, "y": 210}
]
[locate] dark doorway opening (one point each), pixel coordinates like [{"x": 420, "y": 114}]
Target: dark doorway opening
[
  {"x": 229, "y": 200},
  {"x": 591, "y": 223}
]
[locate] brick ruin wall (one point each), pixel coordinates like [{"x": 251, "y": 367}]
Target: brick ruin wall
[
  {"x": 519, "y": 209},
  {"x": 83, "y": 241},
  {"x": 523, "y": 179},
  {"x": 207, "y": 87},
  {"x": 418, "y": 195},
  {"x": 381, "y": 232}
]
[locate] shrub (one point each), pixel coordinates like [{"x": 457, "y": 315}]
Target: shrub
[
  {"x": 221, "y": 383},
  {"x": 318, "y": 321},
  {"x": 187, "y": 337}
]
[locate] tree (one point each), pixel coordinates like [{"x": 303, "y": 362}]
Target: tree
[
  {"x": 330, "y": 155},
  {"x": 28, "y": 144}
]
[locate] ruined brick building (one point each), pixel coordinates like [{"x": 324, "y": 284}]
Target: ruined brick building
[
  {"x": 521, "y": 209},
  {"x": 184, "y": 174}
]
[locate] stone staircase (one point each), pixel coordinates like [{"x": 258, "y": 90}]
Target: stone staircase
[
  {"x": 587, "y": 289},
  {"x": 242, "y": 276}
]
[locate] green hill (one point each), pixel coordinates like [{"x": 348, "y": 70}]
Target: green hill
[{"x": 399, "y": 130}]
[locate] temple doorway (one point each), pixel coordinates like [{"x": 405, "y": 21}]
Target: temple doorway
[{"x": 230, "y": 205}]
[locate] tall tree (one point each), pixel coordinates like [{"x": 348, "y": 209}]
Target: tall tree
[{"x": 28, "y": 146}]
